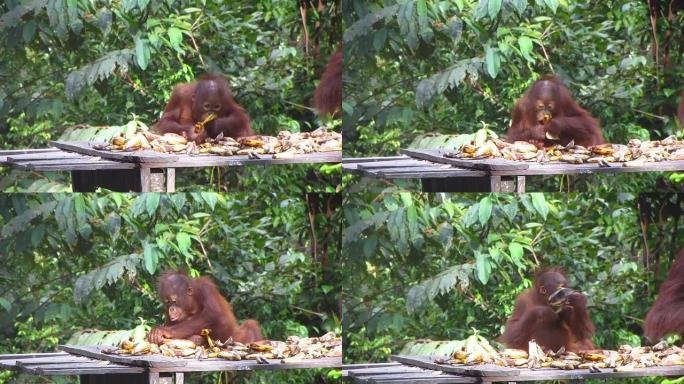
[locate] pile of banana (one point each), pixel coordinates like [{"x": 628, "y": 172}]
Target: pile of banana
[
  {"x": 283, "y": 146},
  {"x": 477, "y": 350},
  {"x": 635, "y": 153},
  {"x": 293, "y": 350}
]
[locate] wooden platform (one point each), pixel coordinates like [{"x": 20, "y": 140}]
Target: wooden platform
[
  {"x": 413, "y": 369},
  {"x": 440, "y": 174},
  {"x": 96, "y": 368},
  {"x": 139, "y": 171}
]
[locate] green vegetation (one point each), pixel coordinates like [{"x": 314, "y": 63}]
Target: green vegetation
[
  {"x": 87, "y": 69},
  {"x": 443, "y": 266},
  {"x": 419, "y": 67},
  {"x": 89, "y": 261}
]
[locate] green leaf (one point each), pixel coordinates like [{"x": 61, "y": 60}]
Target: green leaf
[
  {"x": 481, "y": 9},
  {"x": 5, "y": 304},
  {"x": 29, "y": 31},
  {"x": 152, "y": 202},
  {"x": 150, "y": 258},
  {"x": 485, "y": 210},
  {"x": 423, "y": 21},
  {"x": 493, "y": 62},
  {"x": 175, "y": 37},
  {"x": 516, "y": 252},
  {"x": 184, "y": 241},
  {"x": 210, "y": 198},
  {"x": 525, "y": 44},
  {"x": 493, "y": 8},
  {"x": 540, "y": 205},
  {"x": 482, "y": 267},
  {"x": 142, "y": 53},
  {"x": 552, "y": 4},
  {"x": 519, "y": 5}
]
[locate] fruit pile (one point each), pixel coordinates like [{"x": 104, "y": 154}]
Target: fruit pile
[{"x": 294, "y": 349}]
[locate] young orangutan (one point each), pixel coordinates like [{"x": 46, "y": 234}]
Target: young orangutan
[
  {"x": 552, "y": 314},
  {"x": 196, "y": 304}
]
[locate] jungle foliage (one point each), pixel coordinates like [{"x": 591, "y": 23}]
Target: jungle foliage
[
  {"x": 442, "y": 266},
  {"x": 86, "y": 69},
  {"x": 453, "y": 66},
  {"x": 74, "y": 263}
]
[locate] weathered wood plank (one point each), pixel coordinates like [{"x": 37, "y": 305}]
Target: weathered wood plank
[
  {"x": 538, "y": 169},
  {"x": 44, "y": 156},
  {"x": 118, "y": 370},
  {"x": 21, "y": 356},
  {"x": 426, "y": 172},
  {"x": 60, "y": 359},
  {"x": 196, "y": 161},
  {"x": 31, "y": 164},
  {"x": 437, "y": 156},
  {"x": 398, "y": 164},
  {"x": 249, "y": 365},
  {"x": 384, "y": 370},
  {"x": 142, "y": 156},
  {"x": 5, "y": 154},
  {"x": 141, "y": 361},
  {"x": 424, "y": 377},
  {"x": 475, "y": 370},
  {"x": 584, "y": 374},
  {"x": 101, "y": 165},
  {"x": 9, "y": 152},
  {"x": 353, "y": 160}
]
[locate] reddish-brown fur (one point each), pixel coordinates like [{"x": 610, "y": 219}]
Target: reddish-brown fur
[
  {"x": 667, "y": 313},
  {"x": 201, "y": 306},
  {"x": 568, "y": 122},
  {"x": 187, "y": 107},
  {"x": 328, "y": 94},
  {"x": 533, "y": 318}
]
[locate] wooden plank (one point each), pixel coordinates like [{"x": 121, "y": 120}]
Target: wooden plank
[
  {"x": 470, "y": 370},
  {"x": 11, "y": 361},
  {"x": 385, "y": 370},
  {"x": 397, "y": 164},
  {"x": 353, "y": 160},
  {"x": 69, "y": 368},
  {"x": 31, "y": 164},
  {"x": 7, "y": 153},
  {"x": 424, "y": 377},
  {"x": 61, "y": 359},
  {"x": 10, "y": 152},
  {"x": 426, "y": 172},
  {"x": 197, "y": 161},
  {"x": 117, "y": 370},
  {"x": 44, "y": 156},
  {"x": 102, "y": 165},
  {"x": 155, "y": 361},
  {"x": 437, "y": 156},
  {"x": 31, "y": 355},
  {"x": 370, "y": 365},
  {"x": 537, "y": 169},
  {"x": 584, "y": 374},
  {"x": 249, "y": 365},
  {"x": 142, "y": 156}
]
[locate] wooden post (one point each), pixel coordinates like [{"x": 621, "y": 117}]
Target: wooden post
[{"x": 170, "y": 179}]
